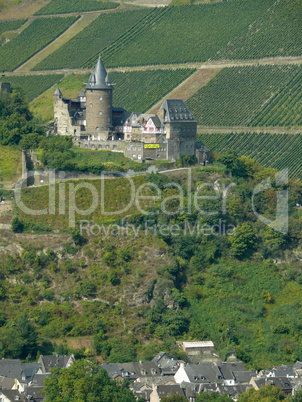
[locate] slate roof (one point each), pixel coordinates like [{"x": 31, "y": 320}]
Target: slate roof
[
  {"x": 58, "y": 92},
  {"x": 38, "y": 379},
  {"x": 81, "y": 93},
  {"x": 11, "y": 394},
  {"x": 99, "y": 78},
  {"x": 244, "y": 377},
  {"x": 10, "y": 368},
  {"x": 204, "y": 372},
  {"x": 34, "y": 394},
  {"x": 6, "y": 382},
  {"x": 231, "y": 390},
  {"x": 48, "y": 362},
  {"x": 168, "y": 390},
  {"x": 175, "y": 110},
  {"x": 156, "y": 121}
]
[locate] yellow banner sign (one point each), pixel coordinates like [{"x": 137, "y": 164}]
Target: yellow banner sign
[{"x": 151, "y": 146}]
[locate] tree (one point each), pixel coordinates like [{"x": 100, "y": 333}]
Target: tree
[
  {"x": 22, "y": 339},
  {"x": 85, "y": 381},
  {"x": 233, "y": 163},
  {"x": 174, "y": 398},
  {"x": 17, "y": 225},
  {"x": 204, "y": 397},
  {"x": 243, "y": 241},
  {"x": 269, "y": 393}
]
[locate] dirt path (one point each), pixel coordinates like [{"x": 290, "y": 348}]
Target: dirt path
[
  {"x": 74, "y": 29},
  {"x": 200, "y": 66},
  {"x": 238, "y": 130},
  {"x": 188, "y": 87}
]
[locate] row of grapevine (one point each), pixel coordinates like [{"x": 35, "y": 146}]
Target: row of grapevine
[
  {"x": 187, "y": 34},
  {"x": 88, "y": 43},
  {"x": 236, "y": 95},
  {"x": 33, "y": 85},
  {"x": 6, "y": 26},
  {"x": 148, "y": 87},
  {"x": 277, "y": 32},
  {"x": 285, "y": 109},
  {"x": 278, "y": 151},
  {"x": 30, "y": 41},
  {"x": 67, "y": 6}
]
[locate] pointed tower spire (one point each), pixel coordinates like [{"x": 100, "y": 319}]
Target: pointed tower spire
[
  {"x": 58, "y": 92},
  {"x": 99, "y": 78}
]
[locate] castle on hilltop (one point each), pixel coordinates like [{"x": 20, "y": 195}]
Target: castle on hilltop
[{"x": 96, "y": 124}]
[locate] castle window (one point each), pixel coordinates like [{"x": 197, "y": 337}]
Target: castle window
[
  {"x": 107, "y": 146},
  {"x": 100, "y": 147},
  {"x": 90, "y": 104},
  {"x": 133, "y": 156},
  {"x": 100, "y": 113},
  {"x": 101, "y": 98},
  {"x": 97, "y": 128},
  {"x": 139, "y": 148},
  {"x": 114, "y": 147},
  {"x": 133, "y": 148},
  {"x": 139, "y": 156},
  {"x": 128, "y": 148}
]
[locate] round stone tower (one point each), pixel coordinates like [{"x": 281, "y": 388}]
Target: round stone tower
[{"x": 99, "y": 101}]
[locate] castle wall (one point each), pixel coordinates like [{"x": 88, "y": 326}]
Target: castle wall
[
  {"x": 98, "y": 110},
  {"x": 62, "y": 120}
]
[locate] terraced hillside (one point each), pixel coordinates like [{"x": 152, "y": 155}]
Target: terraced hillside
[
  {"x": 34, "y": 38},
  {"x": 10, "y": 25},
  {"x": 67, "y": 6},
  {"x": 242, "y": 96},
  {"x": 92, "y": 40},
  {"x": 277, "y": 151},
  {"x": 32, "y": 85}
]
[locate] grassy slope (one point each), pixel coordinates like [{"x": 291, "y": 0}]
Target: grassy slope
[{"x": 10, "y": 164}]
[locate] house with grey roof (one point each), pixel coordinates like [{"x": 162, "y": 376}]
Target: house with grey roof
[
  {"x": 199, "y": 373},
  {"x": 49, "y": 362},
  {"x": 10, "y": 395}
]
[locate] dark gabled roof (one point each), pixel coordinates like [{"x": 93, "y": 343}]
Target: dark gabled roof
[
  {"x": 48, "y": 362},
  {"x": 231, "y": 390},
  {"x": 11, "y": 394},
  {"x": 99, "y": 78},
  {"x": 244, "y": 376},
  {"x": 58, "y": 92},
  {"x": 169, "y": 390},
  {"x": 175, "y": 110},
  {"x": 156, "y": 121},
  {"x": 204, "y": 372},
  {"x": 11, "y": 368},
  {"x": 34, "y": 394},
  {"x": 112, "y": 369},
  {"x": 6, "y": 382},
  {"x": 38, "y": 379}
]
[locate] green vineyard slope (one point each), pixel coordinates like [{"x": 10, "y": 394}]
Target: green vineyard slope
[
  {"x": 285, "y": 109},
  {"x": 148, "y": 87},
  {"x": 236, "y": 95},
  {"x": 33, "y": 85},
  {"x": 10, "y": 25},
  {"x": 277, "y": 151},
  {"x": 67, "y": 6},
  {"x": 30, "y": 41},
  {"x": 185, "y": 34},
  {"x": 275, "y": 33},
  {"x": 88, "y": 43}
]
